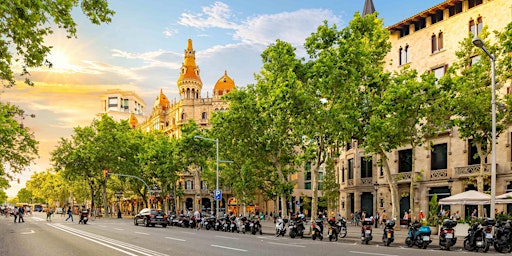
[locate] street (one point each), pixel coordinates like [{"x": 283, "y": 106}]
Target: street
[{"x": 120, "y": 237}]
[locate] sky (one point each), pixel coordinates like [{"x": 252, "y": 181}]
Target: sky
[{"x": 142, "y": 49}]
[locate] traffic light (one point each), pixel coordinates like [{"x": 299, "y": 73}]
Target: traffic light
[{"x": 106, "y": 173}]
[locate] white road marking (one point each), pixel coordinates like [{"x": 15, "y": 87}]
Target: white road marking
[
  {"x": 191, "y": 233},
  {"x": 229, "y": 248},
  {"x": 26, "y": 233},
  {"x": 227, "y": 237},
  {"x": 293, "y": 245},
  {"x": 118, "y": 229},
  {"x": 177, "y": 239},
  {"x": 371, "y": 253},
  {"x": 142, "y": 233}
]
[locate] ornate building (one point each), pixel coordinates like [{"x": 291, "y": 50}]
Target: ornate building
[
  {"x": 171, "y": 116},
  {"x": 427, "y": 41}
]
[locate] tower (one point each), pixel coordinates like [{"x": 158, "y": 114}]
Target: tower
[
  {"x": 368, "y": 7},
  {"x": 189, "y": 82}
]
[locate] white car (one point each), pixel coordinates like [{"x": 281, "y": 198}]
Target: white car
[{"x": 59, "y": 211}]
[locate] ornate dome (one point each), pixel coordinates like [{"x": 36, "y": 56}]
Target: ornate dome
[
  {"x": 133, "y": 120},
  {"x": 189, "y": 69},
  {"x": 225, "y": 83},
  {"x": 162, "y": 101}
]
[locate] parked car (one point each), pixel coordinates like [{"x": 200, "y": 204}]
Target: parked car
[
  {"x": 59, "y": 210},
  {"x": 149, "y": 216}
]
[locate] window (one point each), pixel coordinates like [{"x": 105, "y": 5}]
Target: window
[
  {"x": 440, "y": 71},
  {"x": 204, "y": 185},
  {"x": 473, "y": 3},
  {"x": 189, "y": 184},
  {"x": 439, "y": 159},
  {"x": 440, "y": 42},
  {"x": 420, "y": 24},
  {"x": 183, "y": 116},
  {"x": 319, "y": 185},
  {"x": 436, "y": 17},
  {"x": 308, "y": 166},
  {"x": 351, "y": 169},
  {"x": 475, "y": 27},
  {"x": 457, "y": 8},
  {"x": 366, "y": 167},
  {"x": 307, "y": 185},
  {"x": 404, "y": 31},
  {"x": 125, "y": 104},
  {"x": 404, "y": 55},
  {"x": 307, "y": 176},
  {"x": 433, "y": 42},
  {"x": 475, "y": 59},
  {"x": 320, "y": 176},
  {"x": 112, "y": 103},
  {"x": 473, "y": 157},
  {"x": 343, "y": 174},
  {"x": 405, "y": 160},
  {"x": 204, "y": 116}
]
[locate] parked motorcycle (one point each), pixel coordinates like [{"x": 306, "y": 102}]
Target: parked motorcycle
[
  {"x": 281, "y": 227},
  {"x": 318, "y": 229},
  {"x": 418, "y": 235},
  {"x": 209, "y": 222},
  {"x": 336, "y": 228},
  {"x": 503, "y": 236},
  {"x": 297, "y": 226},
  {"x": 389, "y": 232},
  {"x": 366, "y": 231},
  {"x": 447, "y": 237},
  {"x": 475, "y": 240},
  {"x": 84, "y": 216},
  {"x": 255, "y": 227}
]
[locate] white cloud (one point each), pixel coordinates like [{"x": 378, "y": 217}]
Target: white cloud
[{"x": 216, "y": 15}]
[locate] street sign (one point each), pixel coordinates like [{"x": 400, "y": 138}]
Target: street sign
[{"x": 217, "y": 195}]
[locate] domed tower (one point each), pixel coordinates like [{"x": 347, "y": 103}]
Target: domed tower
[
  {"x": 161, "y": 101},
  {"x": 224, "y": 85},
  {"x": 189, "y": 83},
  {"x": 133, "y": 121}
]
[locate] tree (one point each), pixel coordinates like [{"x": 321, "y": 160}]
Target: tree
[
  {"x": 18, "y": 146},
  {"x": 330, "y": 186},
  {"x": 25, "y": 195},
  {"x": 26, "y": 24}
]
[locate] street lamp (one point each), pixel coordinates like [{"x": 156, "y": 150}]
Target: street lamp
[
  {"x": 376, "y": 187},
  {"x": 480, "y": 44},
  {"x": 216, "y": 171}
]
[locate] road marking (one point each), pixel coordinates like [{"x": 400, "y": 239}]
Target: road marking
[
  {"x": 229, "y": 248},
  {"x": 177, "y": 239},
  {"x": 227, "y": 237},
  {"x": 118, "y": 229},
  {"x": 142, "y": 233},
  {"x": 26, "y": 233},
  {"x": 191, "y": 233},
  {"x": 293, "y": 245},
  {"x": 268, "y": 238},
  {"x": 371, "y": 253}
]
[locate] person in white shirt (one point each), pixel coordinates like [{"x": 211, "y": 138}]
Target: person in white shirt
[{"x": 197, "y": 217}]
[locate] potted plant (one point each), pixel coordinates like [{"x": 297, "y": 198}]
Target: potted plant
[{"x": 433, "y": 219}]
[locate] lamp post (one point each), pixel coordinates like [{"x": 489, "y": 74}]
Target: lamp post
[
  {"x": 376, "y": 187},
  {"x": 216, "y": 170},
  {"x": 480, "y": 44}
]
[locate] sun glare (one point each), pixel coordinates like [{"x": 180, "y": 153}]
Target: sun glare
[{"x": 59, "y": 60}]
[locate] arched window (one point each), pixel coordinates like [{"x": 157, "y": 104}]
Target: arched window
[
  {"x": 401, "y": 56},
  {"x": 440, "y": 43},
  {"x": 479, "y": 25},
  {"x": 472, "y": 27},
  {"x": 204, "y": 116},
  {"x": 433, "y": 41},
  {"x": 183, "y": 116}
]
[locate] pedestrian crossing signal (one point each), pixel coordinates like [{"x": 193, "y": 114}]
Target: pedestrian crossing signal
[{"x": 106, "y": 173}]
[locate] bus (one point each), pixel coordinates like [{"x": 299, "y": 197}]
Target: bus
[{"x": 39, "y": 207}]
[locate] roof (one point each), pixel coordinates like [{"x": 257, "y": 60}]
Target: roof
[
  {"x": 369, "y": 8},
  {"x": 162, "y": 100},
  {"x": 423, "y": 14},
  {"x": 189, "y": 64},
  {"x": 224, "y": 83},
  {"x": 468, "y": 197}
]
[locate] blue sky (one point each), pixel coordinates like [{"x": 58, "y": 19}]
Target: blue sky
[{"x": 142, "y": 49}]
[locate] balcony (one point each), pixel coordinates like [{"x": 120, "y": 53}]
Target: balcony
[
  {"x": 203, "y": 121},
  {"x": 366, "y": 181},
  {"x": 440, "y": 174},
  {"x": 402, "y": 177},
  {"x": 350, "y": 183},
  {"x": 471, "y": 170}
]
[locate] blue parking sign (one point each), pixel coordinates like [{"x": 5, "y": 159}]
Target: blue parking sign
[{"x": 217, "y": 195}]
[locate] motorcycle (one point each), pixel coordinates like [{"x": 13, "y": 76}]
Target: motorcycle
[
  {"x": 318, "y": 229},
  {"x": 281, "y": 227},
  {"x": 447, "y": 237},
  {"x": 389, "y": 232},
  {"x": 418, "y": 235},
  {"x": 84, "y": 217},
  {"x": 255, "y": 227},
  {"x": 366, "y": 230},
  {"x": 209, "y": 222},
  {"x": 475, "y": 239},
  {"x": 336, "y": 228},
  {"x": 297, "y": 226},
  {"x": 503, "y": 236}
]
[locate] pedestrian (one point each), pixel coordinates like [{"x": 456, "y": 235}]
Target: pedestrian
[
  {"x": 48, "y": 214},
  {"x": 421, "y": 216},
  {"x": 197, "y": 217},
  {"x": 357, "y": 218},
  {"x": 457, "y": 215},
  {"x": 21, "y": 212},
  {"x": 383, "y": 217},
  {"x": 70, "y": 214},
  {"x": 474, "y": 215},
  {"x": 15, "y": 213},
  {"x": 376, "y": 219}
]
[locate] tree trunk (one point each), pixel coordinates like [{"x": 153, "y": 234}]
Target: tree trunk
[
  {"x": 413, "y": 182},
  {"x": 393, "y": 187},
  {"x": 104, "y": 191}
]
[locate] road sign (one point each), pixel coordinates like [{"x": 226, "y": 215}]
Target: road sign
[{"x": 217, "y": 195}]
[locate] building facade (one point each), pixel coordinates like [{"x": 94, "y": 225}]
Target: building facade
[
  {"x": 123, "y": 105},
  {"x": 427, "y": 41}
]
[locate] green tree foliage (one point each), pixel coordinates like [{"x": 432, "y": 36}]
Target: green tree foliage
[
  {"x": 18, "y": 146},
  {"x": 48, "y": 187},
  {"x": 26, "y": 24},
  {"x": 330, "y": 186},
  {"x": 24, "y": 195}
]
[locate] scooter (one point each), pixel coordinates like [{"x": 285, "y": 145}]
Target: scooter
[
  {"x": 447, "y": 237},
  {"x": 366, "y": 231},
  {"x": 487, "y": 225},
  {"x": 475, "y": 239},
  {"x": 318, "y": 229},
  {"x": 281, "y": 227},
  {"x": 418, "y": 235},
  {"x": 332, "y": 232},
  {"x": 84, "y": 217},
  {"x": 503, "y": 236},
  {"x": 389, "y": 232}
]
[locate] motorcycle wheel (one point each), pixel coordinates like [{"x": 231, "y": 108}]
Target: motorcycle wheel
[
  {"x": 467, "y": 245},
  {"x": 330, "y": 238},
  {"x": 313, "y": 237},
  {"x": 208, "y": 227},
  {"x": 343, "y": 232},
  {"x": 388, "y": 242},
  {"x": 135, "y": 222},
  {"x": 366, "y": 241},
  {"x": 261, "y": 232},
  {"x": 277, "y": 232},
  {"x": 253, "y": 231},
  {"x": 292, "y": 234},
  {"x": 321, "y": 238},
  {"x": 424, "y": 245},
  {"x": 486, "y": 247},
  {"x": 408, "y": 242}
]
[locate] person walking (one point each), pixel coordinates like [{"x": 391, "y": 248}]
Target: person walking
[
  {"x": 384, "y": 217},
  {"x": 15, "y": 213},
  {"x": 197, "y": 217},
  {"x": 70, "y": 214},
  {"x": 21, "y": 212}
]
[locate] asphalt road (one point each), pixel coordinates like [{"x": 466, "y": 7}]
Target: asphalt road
[{"x": 120, "y": 237}]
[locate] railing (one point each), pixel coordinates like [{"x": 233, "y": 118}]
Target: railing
[
  {"x": 471, "y": 170},
  {"x": 402, "y": 177},
  {"x": 440, "y": 174},
  {"x": 350, "y": 183},
  {"x": 366, "y": 181}
]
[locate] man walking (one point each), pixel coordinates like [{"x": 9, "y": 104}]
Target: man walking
[
  {"x": 70, "y": 214},
  {"x": 21, "y": 212},
  {"x": 15, "y": 213}
]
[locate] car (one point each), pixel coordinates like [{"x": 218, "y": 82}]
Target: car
[
  {"x": 151, "y": 216},
  {"x": 59, "y": 210}
]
